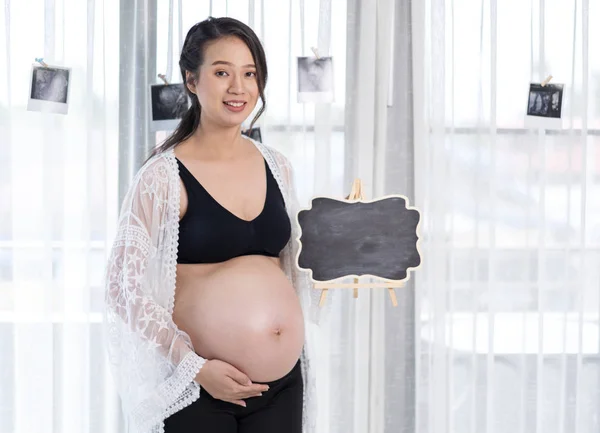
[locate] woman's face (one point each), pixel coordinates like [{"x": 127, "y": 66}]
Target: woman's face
[{"x": 227, "y": 87}]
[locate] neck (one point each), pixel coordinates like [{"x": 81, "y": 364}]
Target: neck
[{"x": 218, "y": 142}]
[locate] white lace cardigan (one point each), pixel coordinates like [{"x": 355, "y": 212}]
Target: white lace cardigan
[{"x": 153, "y": 362}]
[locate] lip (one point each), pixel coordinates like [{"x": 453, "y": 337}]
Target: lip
[{"x": 235, "y": 109}]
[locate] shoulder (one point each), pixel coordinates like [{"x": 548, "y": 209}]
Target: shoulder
[
  {"x": 156, "y": 177},
  {"x": 281, "y": 167},
  {"x": 282, "y": 161},
  {"x": 270, "y": 152},
  {"x": 159, "y": 166}
]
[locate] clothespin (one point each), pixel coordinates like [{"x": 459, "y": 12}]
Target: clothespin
[
  {"x": 164, "y": 78},
  {"x": 40, "y": 60},
  {"x": 314, "y": 50},
  {"x": 546, "y": 81}
]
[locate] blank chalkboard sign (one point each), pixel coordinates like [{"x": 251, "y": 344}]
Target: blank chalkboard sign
[{"x": 341, "y": 238}]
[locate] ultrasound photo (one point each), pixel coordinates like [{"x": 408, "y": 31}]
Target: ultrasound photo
[
  {"x": 49, "y": 89},
  {"x": 169, "y": 101},
  {"x": 315, "y": 79},
  {"x": 50, "y": 84},
  {"x": 545, "y": 101}
]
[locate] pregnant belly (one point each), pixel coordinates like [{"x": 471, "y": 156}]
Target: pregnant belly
[{"x": 244, "y": 312}]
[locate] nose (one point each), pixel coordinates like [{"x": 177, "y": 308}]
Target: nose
[{"x": 236, "y": 85}]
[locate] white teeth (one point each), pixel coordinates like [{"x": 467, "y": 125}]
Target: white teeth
[{"x": 235, "y": 104}]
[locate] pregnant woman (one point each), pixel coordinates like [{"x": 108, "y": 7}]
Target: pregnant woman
[{"x": 204, "y": 305}]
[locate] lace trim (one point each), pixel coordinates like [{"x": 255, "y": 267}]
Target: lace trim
[
  {"x": 173, "y": 225},
  {"x": 268, "y": 155},
  {"x": 176, "y": 393}
]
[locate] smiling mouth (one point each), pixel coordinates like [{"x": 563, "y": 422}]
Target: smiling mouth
[{"x": 235, "y": 104}]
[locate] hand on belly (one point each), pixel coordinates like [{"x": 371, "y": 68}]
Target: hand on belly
[{"x": 244, "y": 312}]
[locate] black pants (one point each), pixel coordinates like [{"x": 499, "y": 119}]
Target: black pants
[{"x": 278, "y": 410}]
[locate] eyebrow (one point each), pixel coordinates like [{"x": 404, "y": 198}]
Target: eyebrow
[{"x": 223, "y": 62}]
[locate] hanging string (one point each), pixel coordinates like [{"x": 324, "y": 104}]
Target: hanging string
[
  {"x": 169, "y": 74},
  {"x": 302, "y": 27},
  {"x": 302, "y": 36},
  {"x": 290, "y": 59},
  {"x": 531, "y": 60},
  {"x": 262, "y": 21},
  {"x": 251, "y": 7},
  {"x": 180, "y": 27},
  {"x": 573, "y": 60},
  {"x": 49, "y": 30},
  {"x": 324, "y": 33}
]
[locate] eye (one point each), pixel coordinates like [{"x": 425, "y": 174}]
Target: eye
[
  {"x": 219, "y": 73},
  {"x": 251, "y": 74}
]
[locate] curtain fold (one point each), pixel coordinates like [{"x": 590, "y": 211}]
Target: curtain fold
[
  {"x": 399, "y": 323},
  {"x": 138, "y": 69},
  {"x": 379, "y": 146}
]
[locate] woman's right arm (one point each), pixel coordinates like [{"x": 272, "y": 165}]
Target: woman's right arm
[
  {"x": 139, "y": 235},
  {"x": 153, "y": 361}
]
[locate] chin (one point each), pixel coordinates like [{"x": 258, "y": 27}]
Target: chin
[
  {"x": 232, "y": 123},
  {"x": 235, "y": 120}
]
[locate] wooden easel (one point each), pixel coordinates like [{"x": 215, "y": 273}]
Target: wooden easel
[{"x": 357, "y": 194}]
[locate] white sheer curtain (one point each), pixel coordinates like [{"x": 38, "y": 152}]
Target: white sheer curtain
[
  {"x": 58, "y": 195},
  {"x": 508, "y": 296}
]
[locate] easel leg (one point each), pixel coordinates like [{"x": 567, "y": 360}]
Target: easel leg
[
  {"x": 393, "y": 296},
  {"x": 323, "y": 296},
  {"x": 356, "y": 288}
]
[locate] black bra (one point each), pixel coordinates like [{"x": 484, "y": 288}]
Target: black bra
[{"x": 209, "y": 233}]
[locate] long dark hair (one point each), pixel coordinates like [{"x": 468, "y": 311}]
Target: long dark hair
[{"x": 192, "y": 57}]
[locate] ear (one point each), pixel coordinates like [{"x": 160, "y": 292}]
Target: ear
[{"x": 190, "y": 81}]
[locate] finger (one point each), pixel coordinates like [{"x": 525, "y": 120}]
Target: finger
[
  {"x": 242, "y": 394},
  {"x": 255, "y": 388},
  {"x": 240, "y": 377},
  {"x": 238, "y": 402},
  {"x": 249, "y": 391}
]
